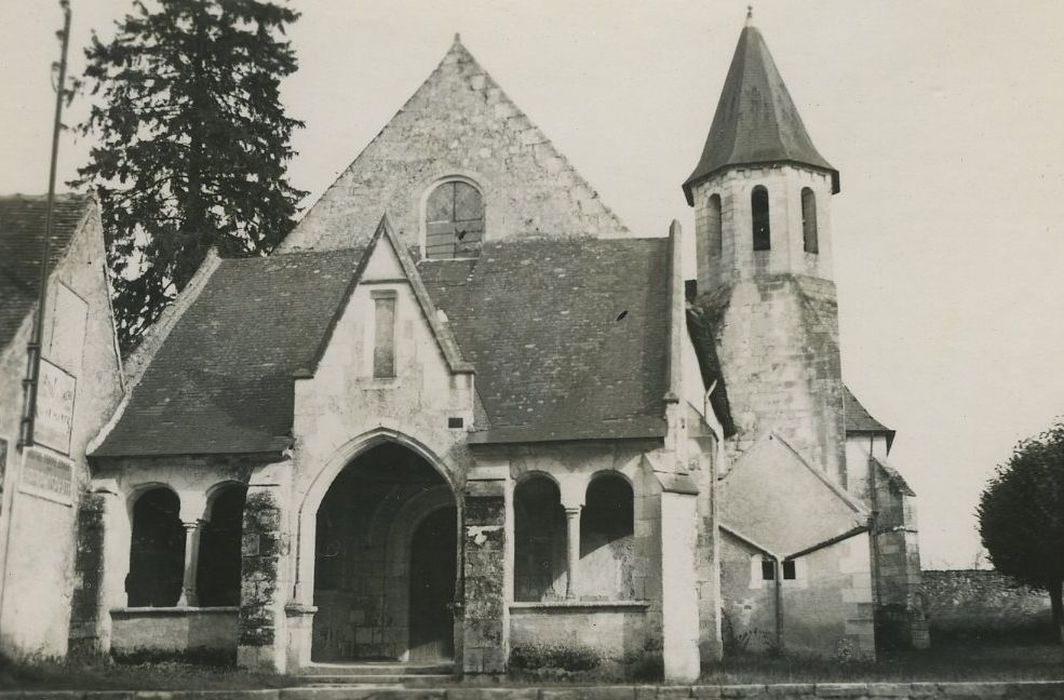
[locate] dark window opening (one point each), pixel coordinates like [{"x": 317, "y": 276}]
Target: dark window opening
[
  {"x": 759, "y": 210},
  {"x": 539, "y": 540},
  {"x": 218, "y": 571},
  {"x": 716, "y": 226},
  {"x": 454, "y": 221},
  {"x": 458, "y": 422},
  {"x": 384, "y": 335},
  {"x": 157, "y": 550},
  {"x": 809, "y": 225},
  {"x": 608, "y": 513},
  {"x": 789, "y": 572},
  {"x": 768, "y": 570}
]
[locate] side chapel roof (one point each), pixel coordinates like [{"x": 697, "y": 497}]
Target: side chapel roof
[
  {"x": 859, "y": 420},
  {"x": 22, "y": 229},
  {"x": 568, "y": 339},
  {"x": 756, "y": 121}
]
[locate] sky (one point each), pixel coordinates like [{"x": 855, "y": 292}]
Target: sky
[{"x": 944, "y": 118}]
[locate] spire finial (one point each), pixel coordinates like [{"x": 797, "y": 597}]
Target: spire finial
[
  {"x": 749, "y": 15},
  {"x": 457, "y": 38}
]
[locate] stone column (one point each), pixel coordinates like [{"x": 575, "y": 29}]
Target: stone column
[
  {"x": 572, "y": 528},
  {"x": 189, "y": 597},
  {"x": 486, "y": 614}
]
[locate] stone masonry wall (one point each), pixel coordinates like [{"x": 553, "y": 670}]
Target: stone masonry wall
[
  {"x": 41, "y": 527},
  {"x": 978, "y": 602},
  {"x": 458, "y": 123},
  {"x": 777, "y": 339}
]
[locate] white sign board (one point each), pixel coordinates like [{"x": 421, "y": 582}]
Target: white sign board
[
  {"x": 55, "y": 407},
  {"x": 47, "y": 476}
]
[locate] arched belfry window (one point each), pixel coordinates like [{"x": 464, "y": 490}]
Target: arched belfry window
[
  {"x": 809, "y": 227},
  {"x": 715, "y": 225},
  {"x": 759, "y": 217},
  {"x": 454, "y": 220}
]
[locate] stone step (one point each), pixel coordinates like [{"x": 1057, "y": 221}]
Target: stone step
[
  {"x": 376, "y": 679},
  {"x": 375, "y": 668}
]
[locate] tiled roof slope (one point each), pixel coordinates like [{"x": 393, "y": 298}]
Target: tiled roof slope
[
  {"x": 569, "y": 337},
  {"x": 756, "y": 120},
  {"x": 569, "y": 340},
  {"x": 223, "y": 380},
  {"x": 22, "y": 227},
  {"x": 858, "y": 419}
]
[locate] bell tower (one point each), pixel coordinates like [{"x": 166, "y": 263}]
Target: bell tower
[{"x": 761, "y": 193}]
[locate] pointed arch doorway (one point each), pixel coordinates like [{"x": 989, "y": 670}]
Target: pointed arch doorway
[{"x": 386, "y": 564}]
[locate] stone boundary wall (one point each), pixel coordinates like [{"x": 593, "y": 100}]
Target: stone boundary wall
[
  {"x": 1037, "y": 690},
  {"x": 972, "y": 601}
]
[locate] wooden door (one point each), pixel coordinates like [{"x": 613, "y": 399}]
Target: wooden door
[{"x": 433, "y": 558}]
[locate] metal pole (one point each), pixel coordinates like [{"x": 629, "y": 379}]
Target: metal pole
[{"x": 33, "y": 354}]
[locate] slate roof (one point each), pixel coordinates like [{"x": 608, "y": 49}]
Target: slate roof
[
  {"x": 568, "y": 339},
  {"x": 222, "y": 382},
  {"x": 858, "y": 419},
  {"x": 22, "y": 228},
  {"x": 756, "y": 121}
]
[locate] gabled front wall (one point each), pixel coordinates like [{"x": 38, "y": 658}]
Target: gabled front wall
[
  {"x": 458, "y": 124},
  {"x": 38, "y": 520}
]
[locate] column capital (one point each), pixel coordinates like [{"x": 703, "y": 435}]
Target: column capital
[
  {"x": 193, "y": 524},
  {"x": 573, "y": 511}
]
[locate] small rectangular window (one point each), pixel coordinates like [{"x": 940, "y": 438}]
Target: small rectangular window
[
  {"x": 384, "y": 334},
  {"x": 455, "y": 423},
  {"x": 789, "y": 571},
  {"x": 768, "y": 570}
]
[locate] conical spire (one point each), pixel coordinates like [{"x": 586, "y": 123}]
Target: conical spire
[{"x": 756, "y": 120}]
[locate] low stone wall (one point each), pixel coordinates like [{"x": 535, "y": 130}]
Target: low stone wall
[
  {"x": 972, "y": 602},
  {"x": 176, "y": 631},
  {"x": 588, "y": 639},
  {"x": 1045, "y": 690}
]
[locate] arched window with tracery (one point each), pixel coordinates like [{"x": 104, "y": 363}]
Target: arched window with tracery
[
  {"x": 539, "y": 540},
  {"x": 454, "y": 220},
  {"x": 809, "y": 226},
  {"x": 218, "y": 572},
  {"x": 607, "y": 529},
  {"x": 157, "y": 550},
  {"x": 760, "y": 218}
]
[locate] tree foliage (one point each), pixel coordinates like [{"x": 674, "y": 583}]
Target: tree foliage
[
  {"x": 191, "y": 143},
  {"x": 1021, "y": 516}
]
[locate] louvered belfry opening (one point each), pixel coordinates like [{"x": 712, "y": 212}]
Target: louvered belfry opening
[{"x": 454, "y": 221}]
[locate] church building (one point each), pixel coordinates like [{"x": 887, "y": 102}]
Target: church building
[{"x": 464, "y": 417}]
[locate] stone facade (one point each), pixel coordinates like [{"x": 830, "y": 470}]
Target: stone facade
[
  {"x": 459, "y": 124},
  {"x": 44, "y": 485}
]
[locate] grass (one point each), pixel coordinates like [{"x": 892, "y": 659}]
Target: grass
[
  {"x": 987, "y": 658},
  {"x": 978, "y": 659},
  {"x": 104, "y": 674}
]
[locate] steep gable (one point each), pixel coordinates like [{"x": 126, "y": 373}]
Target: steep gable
[{"x": 458, "y": 123}]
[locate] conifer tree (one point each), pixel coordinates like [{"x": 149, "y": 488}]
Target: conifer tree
[
  {"x": 1021, "y": 517},
  {"x": 191, "y": 143}
]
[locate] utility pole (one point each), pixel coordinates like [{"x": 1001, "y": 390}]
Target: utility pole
[{"x": 33, "y": 349}]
